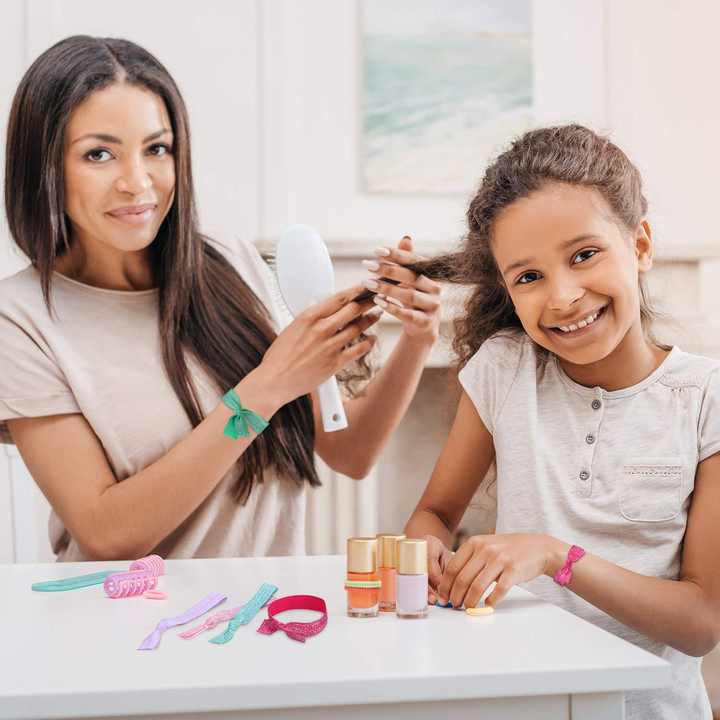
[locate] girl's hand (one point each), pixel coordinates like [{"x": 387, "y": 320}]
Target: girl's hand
[
  {"x": 504, "y": 559},
  {"x": 315, "y": 345},
  {"x": 438, "y": 557},
  {"x": 415, "y": 301}
]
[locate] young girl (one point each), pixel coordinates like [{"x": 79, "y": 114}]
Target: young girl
[
  {"x": 603, "y": 439},
  {"x": 119, "y": 341}
]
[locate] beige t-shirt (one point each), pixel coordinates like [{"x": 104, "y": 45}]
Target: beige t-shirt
[
  {"x": 612, "y": 472},
  {"x": 102, "y": 357}
]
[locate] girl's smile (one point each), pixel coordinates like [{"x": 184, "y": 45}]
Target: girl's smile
[{"x": 584, "y": 325}]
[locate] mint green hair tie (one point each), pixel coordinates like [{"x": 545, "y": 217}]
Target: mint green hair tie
[{"x": 239, "y": 424}]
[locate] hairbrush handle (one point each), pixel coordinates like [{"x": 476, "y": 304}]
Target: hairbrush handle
[{"x": 331, "y": 406}]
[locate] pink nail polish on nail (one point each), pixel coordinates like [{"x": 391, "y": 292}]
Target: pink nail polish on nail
[{"x": 381, "y": 251}]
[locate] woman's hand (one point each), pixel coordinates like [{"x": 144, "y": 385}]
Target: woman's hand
[
  {"x": 504, "y": 559},
  {"x": 316, "y": 345},
  {"x": 415, "y": 301},
  {"x": 438, "y": 557}
]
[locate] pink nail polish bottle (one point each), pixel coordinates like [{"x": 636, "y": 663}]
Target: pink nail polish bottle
[
  {"x": 412, "y": 579},
  {"x": 387, "y": 567}
]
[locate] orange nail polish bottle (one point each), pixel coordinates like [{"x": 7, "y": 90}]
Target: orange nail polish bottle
[
  {"x": 387, "y": 569},
  {"x": 363, "y": 583}
]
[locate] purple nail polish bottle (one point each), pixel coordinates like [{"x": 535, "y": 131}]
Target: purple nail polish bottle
[{"x": 412, "y": 579}]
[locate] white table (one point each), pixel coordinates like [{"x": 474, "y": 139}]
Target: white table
[{"x": 73, "y": 654}]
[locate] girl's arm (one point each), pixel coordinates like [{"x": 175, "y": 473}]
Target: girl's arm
[
  {"x": 123, "y": 520},
  {"x": 374, "y": 415},
  {"x": 683, "y": 613},
  {"x": 463, "y": 463}
]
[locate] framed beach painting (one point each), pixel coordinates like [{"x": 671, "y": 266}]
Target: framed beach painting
[
  {"x": 445, "y": 84},
  {"x": 378, "y": 118}
]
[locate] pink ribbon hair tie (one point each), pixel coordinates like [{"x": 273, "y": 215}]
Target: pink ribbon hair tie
[
  {"x": 564, "y": 574},
  {"x": 299, "y": 631},
  {"x": 211, "y": 622}
]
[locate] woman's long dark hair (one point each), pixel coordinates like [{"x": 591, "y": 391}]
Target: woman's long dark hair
[
  {"x": 570, "y": 154},
  {"x": 205, "y": 307}
]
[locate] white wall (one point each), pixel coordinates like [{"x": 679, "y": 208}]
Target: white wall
[{"x": 273, "y": 92}]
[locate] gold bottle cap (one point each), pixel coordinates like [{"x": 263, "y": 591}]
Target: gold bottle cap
[
  {"x": 387, "y": 549},
  {"x": 412, "y": 557},
  {"x": 362, "y": 554}
]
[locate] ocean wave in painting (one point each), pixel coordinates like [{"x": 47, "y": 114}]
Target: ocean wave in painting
[{"x": 436, "y": 107}]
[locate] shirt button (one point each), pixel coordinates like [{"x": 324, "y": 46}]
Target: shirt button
[
  {"x": 590, "y": 439},
  {"x": 596, "y": 404},
  {"x": 584, "y": 475}
]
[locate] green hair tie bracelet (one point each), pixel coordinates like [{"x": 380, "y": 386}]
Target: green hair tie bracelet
[{"x": 242, "y": 419}]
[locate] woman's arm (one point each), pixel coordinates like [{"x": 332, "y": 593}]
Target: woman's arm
[
  {"x": 122, "y": 520},
  {"x": 683, "y": 613},
  {"x": 374, "y": 415}
]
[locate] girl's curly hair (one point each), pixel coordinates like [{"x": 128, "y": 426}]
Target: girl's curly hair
[{"x": 570, "y": 154}]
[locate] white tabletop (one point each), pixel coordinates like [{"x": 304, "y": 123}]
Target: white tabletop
[{"x": 75, "y": 653}]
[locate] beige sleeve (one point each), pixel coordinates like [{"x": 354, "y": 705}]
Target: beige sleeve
[{"x": 31, "y": 383}]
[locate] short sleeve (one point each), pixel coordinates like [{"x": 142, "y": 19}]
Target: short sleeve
[
  {"x": 489, "y": 374},
  {"x": 31, "y": 384},
  {"x": 709, "y": 424}
]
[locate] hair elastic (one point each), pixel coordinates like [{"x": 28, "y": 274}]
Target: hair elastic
[
  {"x": 299, "y": 631},
  {"x": 564, "y": 574},
  {"x": 149, "y": 567},
  {"x": 242, "y": 419},
  {"x": 246, "y": 613},
  {"x": 207, "y": 603}
]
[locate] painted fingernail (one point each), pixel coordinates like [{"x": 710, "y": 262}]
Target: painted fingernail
[
  {"x": 394, "y": 301},
  {"x": 371, "y": 284},
  {"x": 375, "y": 312},
  {"x": 371, "y": 264},
  {"x": 381, "y": 251},
  {"x": 379, "y": 301}
]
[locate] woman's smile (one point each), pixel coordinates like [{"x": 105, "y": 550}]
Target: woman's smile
[{"x": 134, "y": 214}]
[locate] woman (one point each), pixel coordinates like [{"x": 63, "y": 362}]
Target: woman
[{"x": 119, "y": 341}]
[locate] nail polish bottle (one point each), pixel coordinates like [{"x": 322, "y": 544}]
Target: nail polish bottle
[
  {"x": 412, "y": 579},
  {"x": 387, "y": 569},
  {"x": 363, "y": 584}
]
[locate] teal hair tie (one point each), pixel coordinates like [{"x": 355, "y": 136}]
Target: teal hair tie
[{"x": 242, "y": 419}]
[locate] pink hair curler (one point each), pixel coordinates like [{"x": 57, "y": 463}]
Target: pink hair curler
[{"x": 141, "y": 577}]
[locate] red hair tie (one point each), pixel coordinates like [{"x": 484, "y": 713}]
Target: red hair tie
[{"x": 299, "y": 631}]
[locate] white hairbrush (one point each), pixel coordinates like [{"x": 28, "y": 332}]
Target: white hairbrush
[{"x": 305, "y": 277}]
